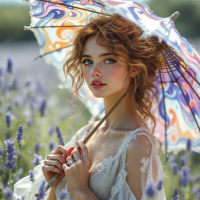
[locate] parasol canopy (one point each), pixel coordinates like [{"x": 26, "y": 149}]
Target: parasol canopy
[{"x": 178, "y": 111}]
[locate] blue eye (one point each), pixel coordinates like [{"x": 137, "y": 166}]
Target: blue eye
[
  {"x": 110, "y": 61},
  {"x": 87, "y": 62}
]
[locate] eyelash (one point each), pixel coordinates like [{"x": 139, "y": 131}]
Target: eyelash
[{"x": 84, "y": 61}]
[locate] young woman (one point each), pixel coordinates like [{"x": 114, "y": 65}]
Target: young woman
[{"x": 121, "y": 158}]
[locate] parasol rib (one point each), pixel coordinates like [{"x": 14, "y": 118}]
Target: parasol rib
[
  {"x": 182, "y": 74},
  {"x": 185, "y": 99},
  {"x": 76, "y": 7},
  {"x": 165, "y": 116},
  {"x": 29, "y": 27},
  {"x": 40, "y": 56}
]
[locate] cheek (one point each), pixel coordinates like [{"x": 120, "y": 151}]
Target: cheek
[
  {"x": 86, "y": 74},
  {"x": 117, "y": 73}
]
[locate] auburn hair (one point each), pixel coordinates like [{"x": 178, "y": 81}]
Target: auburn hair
[{"x": 118, "y": 34}]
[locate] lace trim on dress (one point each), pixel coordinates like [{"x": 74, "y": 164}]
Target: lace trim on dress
[{"x": 122, "y": 174}]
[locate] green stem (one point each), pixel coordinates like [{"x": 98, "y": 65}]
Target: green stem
[{"x": 10, "y": 184}]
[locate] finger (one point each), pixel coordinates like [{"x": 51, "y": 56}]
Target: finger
[
  {"x": 47, "y": 168},
  {"x": 58, "y": 157},
  {"x": 69, "y": 159},
  {"x": 76, "y": 155},
  {"x": 84, "y": 150},
  {"x": 60, "y": 150},
  {"x": 54, "y": 163}
]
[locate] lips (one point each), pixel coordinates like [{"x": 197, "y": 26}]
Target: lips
[{"x": 97, "y": 81}]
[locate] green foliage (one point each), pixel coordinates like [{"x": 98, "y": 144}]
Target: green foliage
[
  {"x": 188, "y": 22},
  {"x": 12, "y": 19}
]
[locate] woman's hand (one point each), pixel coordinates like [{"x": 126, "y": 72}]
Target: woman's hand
[
  {"x": 53, "y": 164},
  {"x": 77, "y": 175}
]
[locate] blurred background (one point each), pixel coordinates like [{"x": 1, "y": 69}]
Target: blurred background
[{"x": 37, "y": 78}]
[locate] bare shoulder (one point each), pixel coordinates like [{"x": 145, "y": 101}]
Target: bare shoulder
[{"x": 139, "y": 145}]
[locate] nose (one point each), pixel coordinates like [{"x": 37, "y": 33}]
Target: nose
[{"x": 96, "y": 71}]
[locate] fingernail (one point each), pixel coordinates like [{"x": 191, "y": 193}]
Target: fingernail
[{"x": 77, "y": 142}]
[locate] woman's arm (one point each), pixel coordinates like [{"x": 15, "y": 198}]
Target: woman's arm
[
  {"x": 52, "y": 195},
  {"x": 138, "y": 149}
]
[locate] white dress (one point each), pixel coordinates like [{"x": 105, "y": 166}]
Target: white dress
[{"x": 108, "y": 178}]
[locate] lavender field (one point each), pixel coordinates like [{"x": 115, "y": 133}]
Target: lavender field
[{"x": 35, "y": 118}]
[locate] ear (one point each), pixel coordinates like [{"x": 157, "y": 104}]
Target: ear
[{"x": 134, "y": 72}]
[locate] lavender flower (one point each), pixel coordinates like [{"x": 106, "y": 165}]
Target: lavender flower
[
  {"x": 19, "y": 135},
  {"x": 1, "y": 152},
  {"x": 192, "y": 153},
  {"x": 42, "y": 107},
  {"x": 197, "y": 178},
  {"x": 1, "y": 71},
  {"x": 9, "y": 65},
  {"x": 171, "y": 159},
  {"x": 51, "y": 146},
  {"x": 16, "y": 101},
  {"x": 160, "y": 185},
  {"x": 184, "y": 177},
  {"x": 175, "y": 197},
  {"x": 8, "y": 119},
  {"x": 183, "y": 160},
  {"x": 8, "y": 193},
  {"x": 37, "y": 147},
  {"x": 8, "y": 106},
  {"x": 63, "y": 194},
  {"x": 196, "y": 190},
  {"x": 28, "y": 121},
  {"x": 42, "y": 191},
  {"x": 31, "y": 176},
  {"x": 14, "y": 84},
  {"x": 59, "y": 136},
  {"x": 174, "y": 168},
  {"x": 189, "y": 143},
  {"x": 51, "y": 130},
  {"x": 151, "y": 189},
  {"x": 36, "y": 159},
  {"x": 10, "y": 154}
]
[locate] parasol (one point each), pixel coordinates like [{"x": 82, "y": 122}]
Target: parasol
[{"x": 55, "y": 22}]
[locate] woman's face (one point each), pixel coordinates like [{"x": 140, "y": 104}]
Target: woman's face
[{"x": 100, "y": 65}]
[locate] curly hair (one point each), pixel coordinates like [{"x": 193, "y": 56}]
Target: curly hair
[{"x": 118, "y": 34}]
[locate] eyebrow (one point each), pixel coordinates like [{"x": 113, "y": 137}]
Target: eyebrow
[{"x": 101, "y": 55}]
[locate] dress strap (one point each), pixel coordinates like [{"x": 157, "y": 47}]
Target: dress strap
[{"x": 121, "y": 177}]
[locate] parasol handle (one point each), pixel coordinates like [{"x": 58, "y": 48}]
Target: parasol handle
[{"x": 174, "y": 16}]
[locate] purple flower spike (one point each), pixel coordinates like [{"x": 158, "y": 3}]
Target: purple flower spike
[
  {"x": 36, "y": 159},
  {"x": 189, "y": 143},
  {"x": 19, "y": 135},
  {"x": 31, "y": 176},
  {"x": 183, "y": 160},
  {"x": 59, "y": 136},
  {"x": 192, "y": 153},
  {"x": 8, "y": 119},
  {"x": 42, "y": 191},
  {"x": 197, "y": 178},
  {"x": 1, "y": 71},
  {"x": 42, "y": 107},
  {"x": 174, "y": 168},
  {"x": 8, "y": 193},
  {"x": 14, "y": 84},
  {"x": 175, "y": 197},
  {"x": 51, "y": 146},
  {"x": 184, "y": 177},
  {"x": 171, "y": 159},
  {"x": 10, "y": 154},
  {"x": 51, "y": 130},
  {"x": 160, "y": 185},
  {"x": 63, "y": 194},
  {"x": 151, "y": 189},
  {"x": 37, "y": 147},
  {"x": 9, "y": 66}
]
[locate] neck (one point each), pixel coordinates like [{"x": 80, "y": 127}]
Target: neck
[{"x": 124, "y": 116}]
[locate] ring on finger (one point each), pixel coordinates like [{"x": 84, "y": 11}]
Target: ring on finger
[{"x": 69, "y": 163}]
